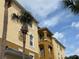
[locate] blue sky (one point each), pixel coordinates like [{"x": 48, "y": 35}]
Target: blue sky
[{"x": 60, "y": 21}]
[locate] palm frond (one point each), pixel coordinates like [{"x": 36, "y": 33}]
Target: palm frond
[
  {"x": 23, "y": 18},
  {"x": 73, "y": 5},
  {"x": 15, "y": 17},
  {"x": 67, "y": 3}
]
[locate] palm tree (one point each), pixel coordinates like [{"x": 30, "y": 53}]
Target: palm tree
[
  {"x": 4, "y": 34},
  {"x": 23, "y": 18},
  {"x": 72, "y": 57},
  {"x": 73, "y": 5}
]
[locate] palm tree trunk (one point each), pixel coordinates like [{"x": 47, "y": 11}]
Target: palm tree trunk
[
  {"x": 4, "y": 34},
  {"x": 24, "y": 42},
  {"x": 24, "y": 30}
]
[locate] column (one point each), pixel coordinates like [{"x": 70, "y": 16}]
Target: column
[
  {"x": 46, "y": 51},
  {"x": 45, "y": 35},
  {"x": 53, "y": 53}
]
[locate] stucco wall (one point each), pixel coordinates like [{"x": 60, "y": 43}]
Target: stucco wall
[
  {"x": 58, "y": 53},
  {"x": 13, "y": 28},
  {"x": 1, "y": 16}
]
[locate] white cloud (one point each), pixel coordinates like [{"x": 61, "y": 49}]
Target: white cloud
[
  {"x": 76, "y": 51},
  {"x": 41, "y": 7},
  {"x": 64, "y": 41},
  {"x": 52, "y": 22},
  {"x": 75, "y": 24},
  {"x": 58, "y": 35},
  {"x": 69, "y": 15}
]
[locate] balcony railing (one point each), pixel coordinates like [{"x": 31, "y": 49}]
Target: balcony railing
[
  {"x": 10, "y": 51},
  {"x": 45, "y": 39}
]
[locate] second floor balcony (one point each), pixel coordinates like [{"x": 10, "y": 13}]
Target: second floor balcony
[{"x": 49, "y": 40}]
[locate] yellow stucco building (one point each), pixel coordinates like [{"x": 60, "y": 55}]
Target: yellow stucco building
[
  {"x": 39, "y": 42},
  {"x": 59, "y": 49},
  {"x": 13, "y": 40},
  {"x": 50, "y": 47}
]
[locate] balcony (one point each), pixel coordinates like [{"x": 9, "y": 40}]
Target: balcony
[
  {"x": 12, "y": 52},
  {"x": 47, "y": 39}
]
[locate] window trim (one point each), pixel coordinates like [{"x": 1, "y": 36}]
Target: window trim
[{"x": 31, "y": 40}]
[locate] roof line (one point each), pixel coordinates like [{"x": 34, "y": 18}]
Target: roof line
[
  {"x": 22, "y": 8},
  {"x": 59, "y": 42}
]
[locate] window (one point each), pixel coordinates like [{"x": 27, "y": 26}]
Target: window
[
  {"x": 42, "y": 51},
  {"x": 50, "y": 49},
  {"x": 31, "y": 40},
  {"x": 32, "y": 55},
  {"x": 61, "y": 57},
  {"x": 58, "y": 53},
  {"x": 58, "y": 57},
  {"x": 60, "y": 48}
]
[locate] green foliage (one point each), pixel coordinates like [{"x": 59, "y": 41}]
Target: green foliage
[
  {"x": 23, "y": 18},
  {"x": 73, "y": 5},
  {"x": 72, "y": 57}
]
